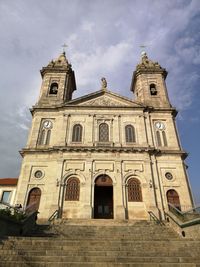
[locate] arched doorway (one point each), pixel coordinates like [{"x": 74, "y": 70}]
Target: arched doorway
[
  {"x": 173, "y": 198},
  {"x": 103, "y": 198},
  {"x": 33, "y": 202}
]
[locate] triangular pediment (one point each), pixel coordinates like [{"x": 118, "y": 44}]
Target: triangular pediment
[{"x": 104, "y": 99}]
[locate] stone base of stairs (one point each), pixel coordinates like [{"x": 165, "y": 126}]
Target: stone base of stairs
[{"x": 100, "y": 243}]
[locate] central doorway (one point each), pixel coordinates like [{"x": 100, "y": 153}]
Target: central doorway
[{"x": 103, "y": 198}]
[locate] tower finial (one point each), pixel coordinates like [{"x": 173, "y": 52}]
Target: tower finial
[
  {"x": 143, "y": 52},
  {"x": 64, "y": 46}
]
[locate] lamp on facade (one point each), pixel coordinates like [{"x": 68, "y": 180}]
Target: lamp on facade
[{"x": 58, "y": 182}]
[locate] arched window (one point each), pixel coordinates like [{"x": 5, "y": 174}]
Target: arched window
[
  {"x": 153, "y": 90},
  {"x": 53, "y": 89},
  {"x": 134, "y": 190},
  {"x": 77, "y": 133},
  {"x": 173, "y": 198},
  {"x": 103, "y": 132},
  {"x": 164, "y": 138},
  {"x": 158, "y": 138},
  {"x": 42, "y": 137},
  {"x": 72, "y": 189},
  {"x": 33, "y": 199},
  {"x": 161, "y": 138},
  {"x": 130, "y": 134},
  {"x": 45, "y": 132},
  {"x": 48, "y": 137}
]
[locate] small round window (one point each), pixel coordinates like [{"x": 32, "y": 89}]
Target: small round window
[
  {"x": 168, "y": 175},
  {"x": 38, "y": 174}
]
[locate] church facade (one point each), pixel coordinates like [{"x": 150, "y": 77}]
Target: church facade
[{"x": 103, "y": 155}]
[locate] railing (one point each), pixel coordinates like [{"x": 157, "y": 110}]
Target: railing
[
  {"x": 195, "y": 210},
  {"x": 53, "y": 216},
  {"x": 185, "y": 216},
  {"x": 154, "y": 218}
]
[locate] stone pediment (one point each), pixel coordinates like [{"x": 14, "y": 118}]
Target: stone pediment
[{"x": 104, "y": 99}]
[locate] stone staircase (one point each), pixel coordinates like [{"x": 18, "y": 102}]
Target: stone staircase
[{"x": 100, "y": 243}]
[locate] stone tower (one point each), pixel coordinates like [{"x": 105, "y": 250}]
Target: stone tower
[
  {"x": 148, "y": 83},
  {"x": 58, "y": 82}
]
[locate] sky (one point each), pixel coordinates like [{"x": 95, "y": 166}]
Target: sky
[{"x": 104, "y": 39}]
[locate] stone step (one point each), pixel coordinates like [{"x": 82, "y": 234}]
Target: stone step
[
  {"x": 94, "y": 264},
  {"x": 101, "y": 259},
  {"x": 121, "y": 244},
  {"x": 113, "y": 253}
]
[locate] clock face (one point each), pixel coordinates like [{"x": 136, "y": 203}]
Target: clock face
[
  {"x": 160, "y": 125},
  {"x": 47, "y": 124}
]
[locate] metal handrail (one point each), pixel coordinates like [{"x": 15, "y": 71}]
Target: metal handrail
[
  {"x": 194, "y": 209},
  {"x": 185, "y": 216},
  {"x": 53, "y": 216},
  {"x": 155, "y": 218}
]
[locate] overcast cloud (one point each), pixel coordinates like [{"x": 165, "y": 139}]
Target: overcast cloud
[{"x": 103, "y": 39}]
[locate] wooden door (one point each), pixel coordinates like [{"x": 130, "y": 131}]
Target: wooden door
[{"x": 103, "y": 198}]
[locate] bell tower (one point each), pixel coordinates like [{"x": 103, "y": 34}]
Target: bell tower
[
  {"x": 148, "y": 83},
  {"x": 58, "y": 82}
]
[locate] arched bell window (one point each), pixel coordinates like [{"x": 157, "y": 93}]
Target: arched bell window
[
  {"x": 153, "y": 90},
  {"x": 103, "y": 132},
  {"x": 130, "y": 134},
  {"x": 53, "y": 89},
  {"x": 77, "y": 133},
  {"x": 72, "y": 189},
  {"x": 134, "y": 190}
]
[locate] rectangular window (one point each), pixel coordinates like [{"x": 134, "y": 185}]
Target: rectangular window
[{"x": 6, "y": 197}]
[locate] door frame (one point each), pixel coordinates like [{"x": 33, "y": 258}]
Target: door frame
[{"x": 108, "y": 183}]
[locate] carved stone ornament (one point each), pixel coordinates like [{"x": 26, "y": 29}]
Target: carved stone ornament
[
  {"x": 104, "y": 101},
  {"x": 147, "y": 63},
  {"x": 103, "y": 83}
]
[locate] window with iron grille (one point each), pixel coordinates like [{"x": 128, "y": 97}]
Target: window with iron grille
[
  {"x": 72, "y": 189},
  {"x": 130, "y": 134},
  {"x": 134, "y": 190},
  {"x": 103, "y": 132},
  {"x": 77, "y": 133}
]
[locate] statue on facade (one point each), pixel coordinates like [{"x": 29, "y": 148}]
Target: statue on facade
[{"x": 103, "y": 83}]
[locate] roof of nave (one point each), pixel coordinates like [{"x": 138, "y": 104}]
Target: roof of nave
[{"x": 104, "y": 98}]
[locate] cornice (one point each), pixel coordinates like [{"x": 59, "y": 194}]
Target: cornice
[
  {"x": 149, "y": 150},
  {"x": 71, "y": 107}
]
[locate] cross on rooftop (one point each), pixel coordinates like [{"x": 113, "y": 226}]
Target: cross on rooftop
[
  {"x": 64, "y": 46},
  {"x": 143, "y": 46}
]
